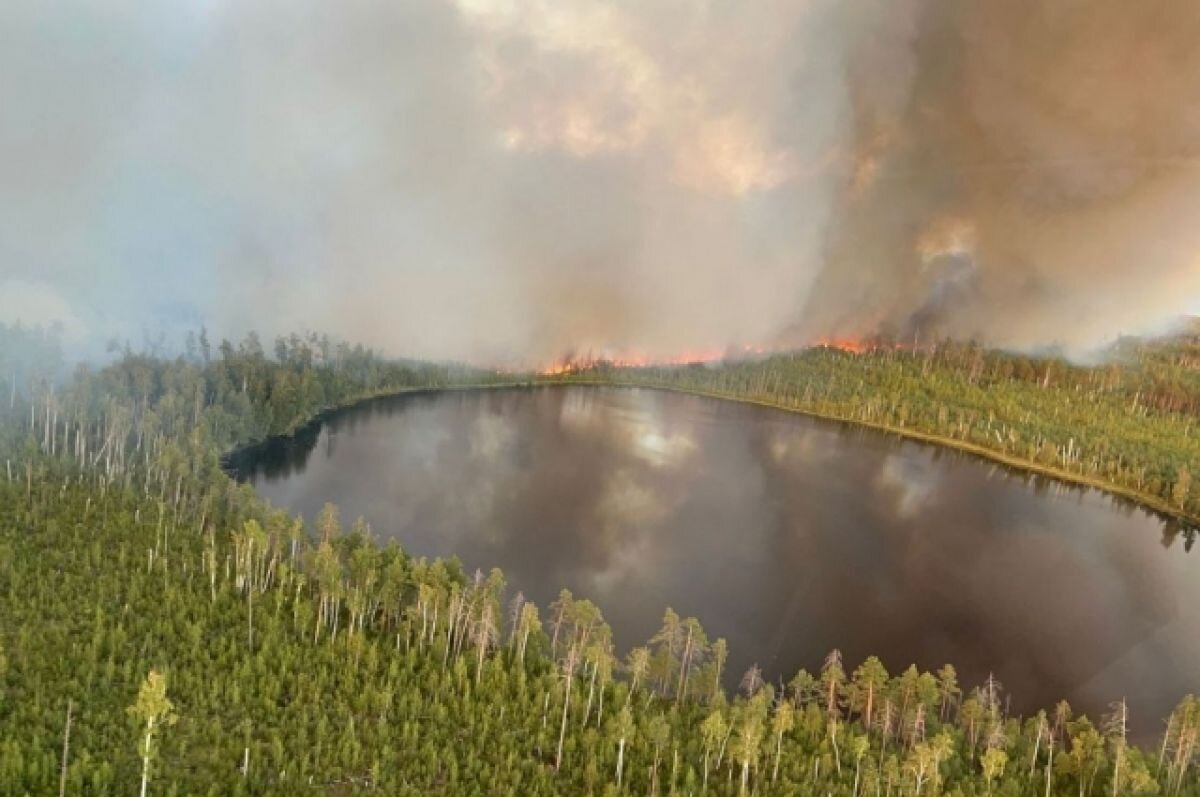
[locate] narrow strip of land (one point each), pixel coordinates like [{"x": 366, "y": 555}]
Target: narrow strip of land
[{"x": 1143, "y": 499}]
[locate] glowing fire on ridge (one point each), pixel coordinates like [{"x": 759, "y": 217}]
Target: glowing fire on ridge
[
  {"x": 850, "y": 345},
  {"x": 633, "y": 359}
]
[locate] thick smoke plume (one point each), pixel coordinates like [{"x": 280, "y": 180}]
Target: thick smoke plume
[
  {"x": 511, "y": 180},
  {"x": 1024, "y": 172}
]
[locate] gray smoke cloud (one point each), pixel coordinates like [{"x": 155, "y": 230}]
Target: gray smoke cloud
[
  {"x": 1024, "y": 173},
  {"x": 508, "y": 180}
]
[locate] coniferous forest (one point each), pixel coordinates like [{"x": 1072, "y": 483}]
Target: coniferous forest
[
  {"x": 1127, "y": 423},
  {"x": 165, "y": 631}
]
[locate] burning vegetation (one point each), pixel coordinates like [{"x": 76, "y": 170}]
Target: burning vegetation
[{"x": 573, "y": 364}]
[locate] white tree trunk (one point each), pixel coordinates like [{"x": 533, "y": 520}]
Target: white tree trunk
[
  {"x": 146, "y": 756},
  {"x": 562, "y": 731},
  {"x": 66, "y": 751}
]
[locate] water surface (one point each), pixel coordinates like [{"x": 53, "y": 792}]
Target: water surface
[{"x": 786, "y": 535}]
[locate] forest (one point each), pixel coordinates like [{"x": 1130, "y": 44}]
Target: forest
[
  {"x": 1127, "y": 424},
  {"x": 167, "y": 632}
]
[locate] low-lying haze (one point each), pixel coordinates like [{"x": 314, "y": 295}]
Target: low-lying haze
[{"x": 500, "y": 180}]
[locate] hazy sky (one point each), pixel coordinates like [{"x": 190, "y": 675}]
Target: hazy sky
[{"x": 498, "y": 179}]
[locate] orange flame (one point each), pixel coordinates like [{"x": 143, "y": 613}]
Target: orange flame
[
  {"x": 572, "y": 364},
  {"x": 850, "y": 345},
  {"x": 635, "y": 359},
  {"x": 855, "y": 345}
]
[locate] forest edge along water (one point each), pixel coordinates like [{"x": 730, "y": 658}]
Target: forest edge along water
[
  {"x": 1181, "y": 520},
  {"x": 1186, "y": 522},
  {"x": 1060, "y": 597},
  {"x": 833, "y": 532}
]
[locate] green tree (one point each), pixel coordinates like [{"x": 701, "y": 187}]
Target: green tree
[
  {"x": 154, "y": 710},
  {"x": 328, "y": 523},
  {"x": 948, "y": 691},
  {"x": 833, "y": 677},
  {"x": 783, "y": 721},
  {"x": 859, "y": 747},
  {"x": 869, "y": 678},
  {"x": 637, "y": 664},
  {"x": 1086, "y": 754},
  {"x": 993, "y": 761},
  {"x": 714, "y": 730},
  {"x": 749, "y": 737}
]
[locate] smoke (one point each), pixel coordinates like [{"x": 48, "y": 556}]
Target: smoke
[
  {"x": 1024, "y": 173},
  {"x": 509, "y": 180}
]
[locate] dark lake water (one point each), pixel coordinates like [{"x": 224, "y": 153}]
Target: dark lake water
[{"x": 786, "y": 535}]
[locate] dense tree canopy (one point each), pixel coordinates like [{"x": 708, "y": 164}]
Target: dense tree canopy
[{"x": 161, "y": 622}]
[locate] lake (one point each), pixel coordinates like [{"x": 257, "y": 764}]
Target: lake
[{"x": 787, "y": 535}]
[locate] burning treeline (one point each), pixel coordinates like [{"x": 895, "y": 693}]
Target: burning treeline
[
  {"x": 573, "y": 363},
  {"x": 1023, "y": 172},
  {"x": 1017, "y": 173},
  {"x": 1128, "y": 424}
]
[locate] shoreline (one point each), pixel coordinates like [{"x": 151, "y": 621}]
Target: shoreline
[
  {"x": 227, "y": 457},
  {"x": 1144, "y": 501}
]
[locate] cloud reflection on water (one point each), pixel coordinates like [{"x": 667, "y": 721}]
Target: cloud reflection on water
[{"x": 786, "y": 535}]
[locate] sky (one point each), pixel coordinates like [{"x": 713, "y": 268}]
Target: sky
[{"x": 516, "y": 180}]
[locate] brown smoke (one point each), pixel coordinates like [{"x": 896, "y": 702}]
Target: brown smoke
[
  {"x": 509, "y": 180},
  {"x": 1024, "y": 172}
]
